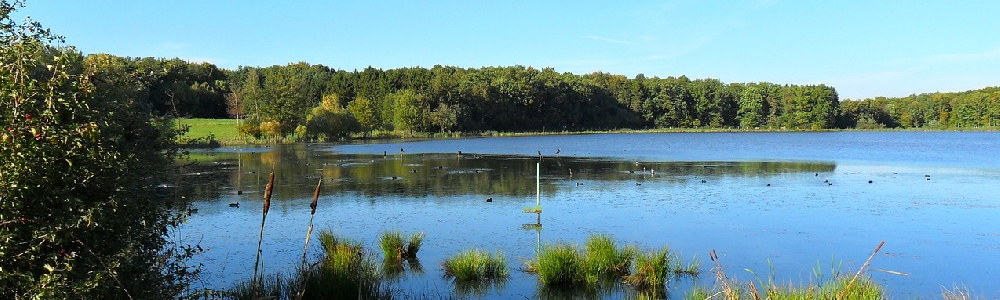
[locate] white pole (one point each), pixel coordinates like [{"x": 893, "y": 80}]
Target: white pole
[{"x": 538, "y": 184}]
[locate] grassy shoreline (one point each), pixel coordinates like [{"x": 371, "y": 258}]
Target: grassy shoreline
[{"x": 224, "y": 132}]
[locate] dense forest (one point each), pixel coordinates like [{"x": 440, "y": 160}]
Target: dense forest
[{"x": 319, "y": 102}]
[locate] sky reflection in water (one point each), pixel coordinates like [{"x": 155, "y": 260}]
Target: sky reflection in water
[{"x": 641, "y": 188}]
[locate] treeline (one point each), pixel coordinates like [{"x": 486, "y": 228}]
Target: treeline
[
  {"x": 318, "y": 102},
  {"x": 970, "y": 109},
  {"x": 277, "y": 100}
]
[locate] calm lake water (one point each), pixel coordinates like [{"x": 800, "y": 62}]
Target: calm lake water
[{"x": 787, "y": 201}]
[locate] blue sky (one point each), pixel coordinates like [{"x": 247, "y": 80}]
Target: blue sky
[{"x": 863, "y": 48}]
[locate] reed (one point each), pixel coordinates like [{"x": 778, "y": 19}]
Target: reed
[
  {"x": 837, "y": 286},
  {"x": 475, "y": 264},
  {"x": 258, "y": 265},
  {"x": 305, "y": 249},
  {"x": 958, "y": 293}
]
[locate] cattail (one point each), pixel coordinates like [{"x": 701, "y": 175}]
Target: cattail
[
  {"x": 257, "y": 265},
  {"x": 316, "y": 196},
  {"x": 267, "y": 193},
  {"x": 305, "y": 250}
]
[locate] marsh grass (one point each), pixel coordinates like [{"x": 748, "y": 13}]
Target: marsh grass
[
  {"x": 476, "y": 264},
  {"x": 837, "y": 286},
  {"x": 603, "y": 263},
  {"x": 604, "y": 257},
  {"x": 393, "y": 244},
  {"x": 346, "y": 271},
  {"x": 958, "y": 293},
  {"x": 651, "y": 269},
  {"x": 274, "y": 286},
  {"x": 559, "y": 264}
]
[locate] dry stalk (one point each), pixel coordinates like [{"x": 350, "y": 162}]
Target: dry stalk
[
  {"x": 721, "y": 278},
  {"x": 305, "y": 250},
  {"x": 862, "y": 269},
  {"x": 258, "y": 276},
  {"x": 753, "y": 291}
]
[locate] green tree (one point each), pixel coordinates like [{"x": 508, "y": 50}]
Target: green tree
[
  {"x": 410, "y": 111},
  {"x": 329, "y": 121},
  {"x": 751, "y": 113},
  {"x": 366, "y": 112},
  {"x": 81, "y": 152}
]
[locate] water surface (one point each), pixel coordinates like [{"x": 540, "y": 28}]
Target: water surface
[{"x": 790, "y": 201}]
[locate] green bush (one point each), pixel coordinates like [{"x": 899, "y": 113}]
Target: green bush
[{"x": 81, "y": 155}]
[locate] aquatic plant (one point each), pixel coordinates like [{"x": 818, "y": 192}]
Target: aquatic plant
[
  {"x": 839, "y": 286},
  {"x": 392, "y": 244},
  {"x": 475, "y": 264},
  {"x": 604, "y": 257},
  {"x": 958, "y": 293},
  {"x": 274, "y": 286},
  {"x": 559, "y": 264},
  {"x": 346, "y": 271},
  {"x": 258, "y": 274},
  {"x": 305, "y": 249},
  {"x": 651, "y": 269}
]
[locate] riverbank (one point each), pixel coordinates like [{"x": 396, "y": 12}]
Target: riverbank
[{"x": 208, "y": 133}]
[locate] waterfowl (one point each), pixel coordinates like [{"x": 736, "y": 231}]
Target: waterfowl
[
  {"x": 393, "y": 177},
  {"x": 768, "y": 184},
  {"x": 869, "y": 181},
  {"x": 490, "y": 199},
  {"x": 703, "y": 181},
  {"x": 234, "y": 204}
]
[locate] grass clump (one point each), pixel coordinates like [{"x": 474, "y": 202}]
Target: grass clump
[
  {"x": 393, "y": 244},
  {"x": 604, "y": 257},
  {"x": 603, "y": 261},
  {"x": 475, "y": 264},
  {"x": 533, "y": 209},
  {"x": 345, "y": 271},
  {"x": 476, "y": 272},
  {"x": 651, "y": 269},
  {"x": 559, "y": 264}
]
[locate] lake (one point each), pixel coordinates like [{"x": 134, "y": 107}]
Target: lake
[{"x": 787, "y": 201}]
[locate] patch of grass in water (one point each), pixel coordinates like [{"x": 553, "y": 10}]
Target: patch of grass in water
[
  {"x": 605, "y": 257},
  {"x": 393, "y": 244},
  {"x": 475, "y": 264}
]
